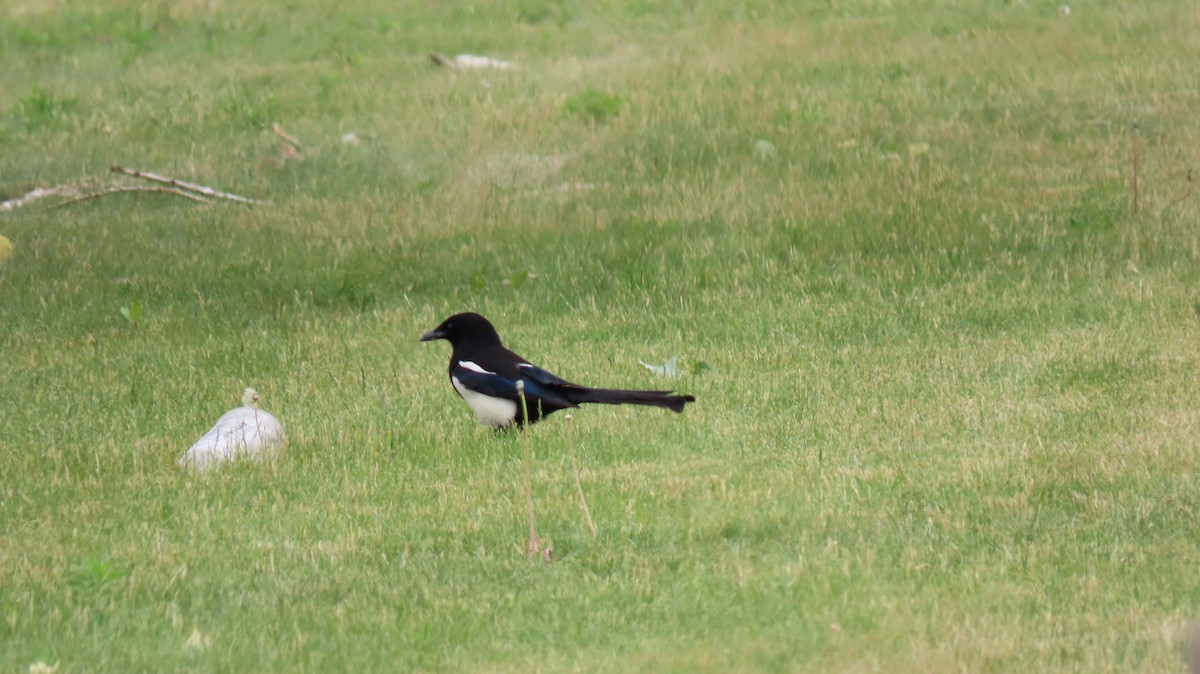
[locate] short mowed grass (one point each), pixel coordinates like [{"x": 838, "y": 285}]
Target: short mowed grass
[{"x": 947, "y": 379}]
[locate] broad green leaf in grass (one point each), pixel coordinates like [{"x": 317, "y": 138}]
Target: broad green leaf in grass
[{"x": 133, "y": 313}]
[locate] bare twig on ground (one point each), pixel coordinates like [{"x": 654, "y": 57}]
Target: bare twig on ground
[
  {"x": 131, "y": 188},
  {"x": 286, "y": 137},
  {"x": 90, "y": 189},
  {"x": 206, "y": 191},
  {"x": 39, "y": 194}
]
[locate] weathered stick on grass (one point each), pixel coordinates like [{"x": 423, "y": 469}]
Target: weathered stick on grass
[
  {"x": 181, "y": 184},
  {"x": 286, "y": 137},
  {"x": 39, "y": 194},
  {"x": 131, "y": 188}
]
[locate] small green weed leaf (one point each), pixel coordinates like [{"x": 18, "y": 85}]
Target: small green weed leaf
[
  {"x": 669, "y": 369},
  {"x": 96, "y": 575},
  {"x": 133, "y": 313},
  {"x": 701, "y": 367},
  {"x": 42, "y": 108},
  {"x": 518, "y": 278},
  {"x": 596, "y": 106},
  {"x": 478, "y": 282}
]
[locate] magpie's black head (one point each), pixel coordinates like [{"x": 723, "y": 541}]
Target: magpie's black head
[{"x": 469, "y": 328}]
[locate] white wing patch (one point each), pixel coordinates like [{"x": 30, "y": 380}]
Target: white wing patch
[
  {"x": 491, "y": 411},
  {"x": 474, "y": 367}
]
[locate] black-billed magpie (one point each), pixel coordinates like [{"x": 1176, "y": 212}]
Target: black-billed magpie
[{"x": 485, "y": 374}]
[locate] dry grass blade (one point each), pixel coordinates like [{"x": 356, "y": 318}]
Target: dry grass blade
[
  {"x": 532, "y": 547},
  {"x": 587, "y": 514}
]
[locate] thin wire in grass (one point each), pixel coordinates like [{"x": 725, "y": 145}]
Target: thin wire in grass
[{"x": 575, "y": 469}]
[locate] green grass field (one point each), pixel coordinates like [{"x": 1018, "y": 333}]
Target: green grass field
[{"x": 947, "y": 377}]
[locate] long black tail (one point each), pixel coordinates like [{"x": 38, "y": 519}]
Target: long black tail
[{"x": 609, "y": 396}]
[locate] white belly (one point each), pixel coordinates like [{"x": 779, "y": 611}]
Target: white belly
[{"x": 491, "y": 411}]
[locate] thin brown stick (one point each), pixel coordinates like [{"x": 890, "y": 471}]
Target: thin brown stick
[
  {"x": 181, "y": 184},
  {"x": 131, "y": 188},
  {"x": 286, "y": 137}
]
